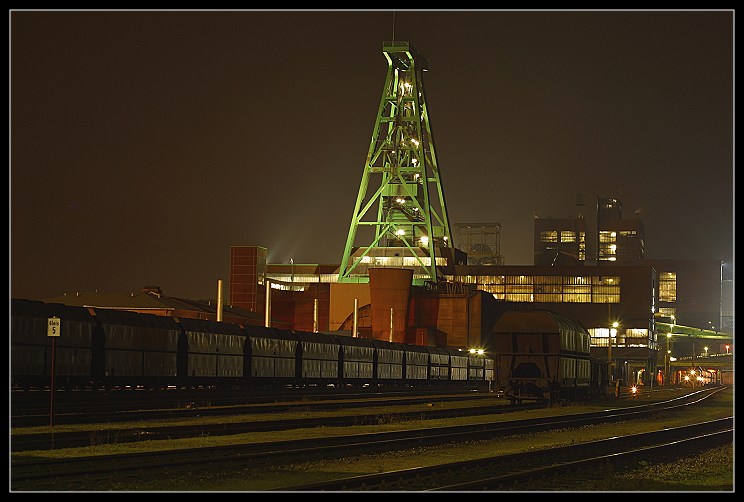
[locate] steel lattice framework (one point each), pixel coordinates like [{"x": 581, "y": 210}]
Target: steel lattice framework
[{"x": 400, "y": 219}]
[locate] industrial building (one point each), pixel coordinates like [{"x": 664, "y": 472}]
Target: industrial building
[{"x": 598, "y": 234}]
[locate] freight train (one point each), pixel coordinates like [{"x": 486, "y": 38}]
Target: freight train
[
  {"x": 543, "y": 356},
  {"x": 115, "y": 348}
]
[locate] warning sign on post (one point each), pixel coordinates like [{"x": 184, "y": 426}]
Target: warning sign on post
[{"x": 53, "y": 326}]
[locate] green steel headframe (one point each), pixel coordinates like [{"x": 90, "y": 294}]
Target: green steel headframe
[{"x": 406, "y": 228}]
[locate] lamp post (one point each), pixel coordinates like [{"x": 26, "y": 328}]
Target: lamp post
[
  {"x": 667, "y": 362},
  {"x": 613, "y": 332}
]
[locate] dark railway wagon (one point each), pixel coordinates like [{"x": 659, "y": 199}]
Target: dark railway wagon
[
  {"x": 439, "y": 364},
  {"x": 319, "y": 358},
  {"x": 214, "y": 351},
  {"x": 489, "y": 369},
  {"x": 110, "y": 348},
  {"x": 476, "y": 367},
  {"x": 542, "y": 355},
  {"x": 389, "y": 361},
  {"x": 417, "y": 364},
  {"x": 270, "y": 356},
  {"x": 357, "y": 360},
  {"x": 458, "y": 365},
  {"x": 140, "y": 349},
  {"x": 31, "y": 348}
]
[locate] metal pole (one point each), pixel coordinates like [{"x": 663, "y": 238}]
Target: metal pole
[
  {"x": 219, "y": 300},
  {"x": 609, "y": 342},
  {"x": 51, "y": 398},
  {"x": 355, "y": 327},
  {"x": 267, "y": 320},
  {"x": 315, "y": 315}
]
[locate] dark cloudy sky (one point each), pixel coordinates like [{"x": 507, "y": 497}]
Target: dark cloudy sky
[{"x": 144, "y": 144}]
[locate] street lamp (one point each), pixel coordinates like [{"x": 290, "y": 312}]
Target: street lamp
[
  {"x": 613, "y": 332},
  {"x": 668, "y": 363},
  {"x": 706, "y": 351},
  {"x": 727, "y": 349},
  {"x": 692, "y": 380}
]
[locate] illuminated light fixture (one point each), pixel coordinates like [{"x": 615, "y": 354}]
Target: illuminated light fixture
[
  {"x": 400, "y": 200},
  {"x": 424, "y": 240},
  {"x": 400, "y": 232},
  {"x": 415, "y": 161},
  {"x": 481, "y": 352},
  {"x": 415, "y": 141},
  {"x": 613, "y": 247},
  {"x": 472, "y": 351},
  {"x": 613, "y": 234},
  {"x": 611, "y": 258}
]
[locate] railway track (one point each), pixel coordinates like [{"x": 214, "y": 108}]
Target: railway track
[
  {"x": 55, "y": 440},
  {"x": 100, "y": 471},
  {"x": 32, "y": 407},
  {"x": 522, "y": 470}
]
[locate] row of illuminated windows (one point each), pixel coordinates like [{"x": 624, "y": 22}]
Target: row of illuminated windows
[
  {"x": 312, "y": 278},
  {"x": 302, "y": 278},
  {"x": 607, "y": 236},
  {"x": 403, "y": 261},
  {"x": 570, "y": 280},
  {"x": 503, "y": 293},
  {"x": 565, "y": 236},
  {"x": 631, "y": 337}
]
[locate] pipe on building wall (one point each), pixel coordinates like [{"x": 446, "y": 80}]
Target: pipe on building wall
[
  {"x": 315, "y": 315},
  {"x": 267, "y": 320},
  {"x": 219, "y": 300},
  {"x": 355, "y": 327}
]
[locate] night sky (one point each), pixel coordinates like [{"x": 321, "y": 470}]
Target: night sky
[{"x": 144, "y": 144}]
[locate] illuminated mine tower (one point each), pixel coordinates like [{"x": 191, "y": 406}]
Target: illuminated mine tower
[{"x": 400, "y": 218}]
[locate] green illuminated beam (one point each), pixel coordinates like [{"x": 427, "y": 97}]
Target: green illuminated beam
[{"x": 678, "y": 330}]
